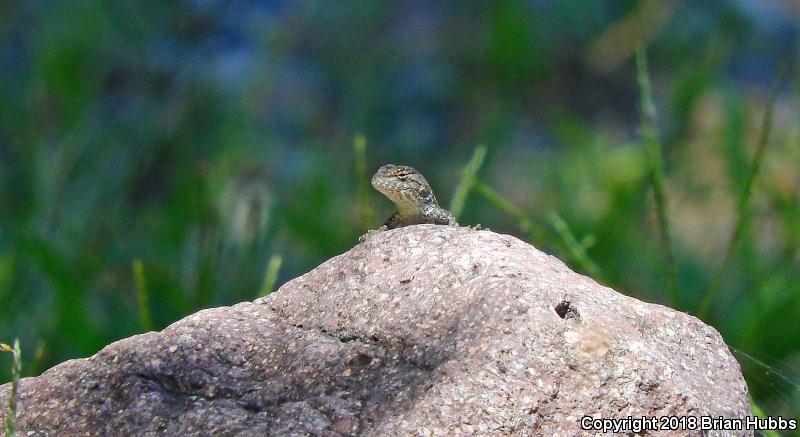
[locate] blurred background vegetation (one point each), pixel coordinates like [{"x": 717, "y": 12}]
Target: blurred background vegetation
[{"x": 156, "y": 157}]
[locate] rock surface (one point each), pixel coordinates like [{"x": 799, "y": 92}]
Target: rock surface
[{"x": 423, "y": 330}]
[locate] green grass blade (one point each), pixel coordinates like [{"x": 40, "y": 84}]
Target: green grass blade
[
  {"x": 760, "y": 413},
  {"x": 72, "y": 321},
  {"x": 743, "y": 202},
  {"x": 576, "y": 250},
  {"x": 655, "y": 161},
  {"x": 367, "y": 214},
  {"x": 271, "y": 276},
  {"x": 142, "y": 297},
  {"x": 36, "y": 362},
  {"x": 567, "y": 239},
  {"x": 524, "y": 221},
  {"x": 16, "y": 370},
  {"x": 467, "y": 181}
]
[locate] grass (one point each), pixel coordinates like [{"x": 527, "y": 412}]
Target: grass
[
  {"x": 467, "y": 181},
  {"x": 743, "y": 203},
  {"x": 271, "y": 275},
  {"x": 525, "y": 222},
  {"x": 367, "y": 213},
  {"x": 145, "y": 319},
  {"x": 16, "y": 370},
  {"x": 576, "y": 250},
  {"x": 760, "y": 413},
  {"x": 539, "y": 233},
  {"x": 655, "y": 162}
]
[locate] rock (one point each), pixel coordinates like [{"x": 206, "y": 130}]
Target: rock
[{"x": 423, "y": 330}]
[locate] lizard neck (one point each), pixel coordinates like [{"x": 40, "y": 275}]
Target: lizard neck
[
  {"x": 413, "y": 209},
  {"x": 407, "y": 209}
]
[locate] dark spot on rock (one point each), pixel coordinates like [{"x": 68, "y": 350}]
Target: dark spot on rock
[
  {"x": 363, "y": 359},
  {"x": 346, "y": 338},
  {"x": 254, "y": 405},
  {"x": 405, "y": 281},
  {"x": 648, "y": 386},
  {"x": 566, "y": 310}
]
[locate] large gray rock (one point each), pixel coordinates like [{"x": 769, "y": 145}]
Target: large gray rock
[{"x": 427, "y": 330}]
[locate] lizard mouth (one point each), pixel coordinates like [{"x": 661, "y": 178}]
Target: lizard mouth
[
  {"x": 394, "y": 193},
  {"x": 403, "y": 198},
  {"x": 388, "y": 188}
]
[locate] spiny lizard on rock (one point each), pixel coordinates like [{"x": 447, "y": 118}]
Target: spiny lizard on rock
[{"x": 412, "y": 195}]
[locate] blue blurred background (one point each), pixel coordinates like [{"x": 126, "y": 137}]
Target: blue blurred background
[{"x": 155, "y": 156}]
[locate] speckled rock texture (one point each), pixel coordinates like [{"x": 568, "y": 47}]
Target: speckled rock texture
[{"x": 423, "y": 330}]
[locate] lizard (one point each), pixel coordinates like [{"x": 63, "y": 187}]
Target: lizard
[{"x": 413, "y": 197}]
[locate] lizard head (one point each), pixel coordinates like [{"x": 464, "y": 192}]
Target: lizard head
[{"x": 404, "y": 186}]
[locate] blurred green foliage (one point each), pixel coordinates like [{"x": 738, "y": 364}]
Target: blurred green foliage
[{"x": 156, "y": 157}]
